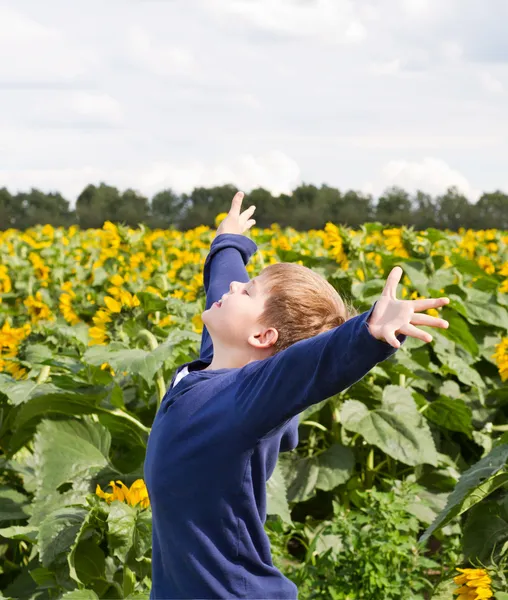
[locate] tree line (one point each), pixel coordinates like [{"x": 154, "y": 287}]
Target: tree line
[{"x": 308, "y": 207}]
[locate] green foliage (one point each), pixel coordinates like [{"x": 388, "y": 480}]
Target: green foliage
[
  {"x": 369, "y": 552},
  {"x": 435, "y": 415}
]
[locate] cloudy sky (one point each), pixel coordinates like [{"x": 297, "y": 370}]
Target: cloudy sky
[{"x": 358, "y": 94}]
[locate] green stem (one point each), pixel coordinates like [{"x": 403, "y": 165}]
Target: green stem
[
  {"x": 402, "y": 380},
  {"x": 44, "y": 374},
  {"x": 315, "y": 424},
  {"x": 120, "y": 413},
  {"x": 369, "y": 476},
  {"x": 259, "y": 254},
  {"x": 160, "y": 384},
  {"x": 150, "y": 338}
]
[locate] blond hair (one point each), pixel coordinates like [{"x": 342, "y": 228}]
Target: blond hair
[{"x": 300, "y": 304}]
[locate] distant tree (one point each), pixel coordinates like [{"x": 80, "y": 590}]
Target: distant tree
[
  {"x": 204, "y": 204},
  {"x": 167, "y": 209},
  {"x": 425, "y": 211},
  {"x": 303, "y": 210},
  {"x": 306, "y": 207},
  {"x": 355, "y": 208},
  {"x": 269, "y": 209},
  {"x": 453, "y": 210},
  {"x": 132, "y": 209},
  {"x": 491, "y": 211},
  {"x": 394, "y": 207},
  {"x": 8, "y": 211},
  {"x": 95, "y": 205},
  {"x": 37, "y": 208}
]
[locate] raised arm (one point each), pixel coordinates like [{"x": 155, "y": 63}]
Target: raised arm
[
  {"x": 270, "y": 391},
  {"x": 229, "y": 254},
  {"x": 275, "y": 389}
]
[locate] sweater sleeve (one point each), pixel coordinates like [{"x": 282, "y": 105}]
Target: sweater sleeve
[
  {"x": 272, "y": 390},
  {"x": 226, "y": 261}
]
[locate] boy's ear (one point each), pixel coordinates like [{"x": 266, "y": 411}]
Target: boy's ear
[{"x": 266, "y": 338}]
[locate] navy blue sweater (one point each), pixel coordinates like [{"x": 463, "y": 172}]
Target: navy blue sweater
[{"x": 215, "y": 442}]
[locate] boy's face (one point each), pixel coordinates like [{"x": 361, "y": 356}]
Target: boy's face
[{"x": 235, "y": 321}]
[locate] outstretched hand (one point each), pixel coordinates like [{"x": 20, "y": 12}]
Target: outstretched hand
[
  {"x": 237, "y": 222},
  {"x": 392, "y": 317}
]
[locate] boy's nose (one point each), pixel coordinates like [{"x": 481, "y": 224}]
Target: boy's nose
[{"x": 233, "y": 286}]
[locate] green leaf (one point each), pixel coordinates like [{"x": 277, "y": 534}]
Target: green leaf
[
  {"x": 129, "y": 529},
  {"x": 458, "y": 331},
  {"x": 151, "y": 302},
  {"x": 100, "y": 275},
  {"x": 136, "y": 361},
  {"x": 26, "y": 533},
  {"x": 80, "y": 595},
  {"x": 20, "y": 391},
  {"x": 451, "y": 363},
  {"x": 63, "y": 403},
  {"x": 450, "y": 389},
  {"x": 475, "y": 476},
  {"x": 314, "y": 408},
  {"x": 444, "y": 591},
  {"x": 58, "y": 532},
  {"x": 44, "y": 578},
  {"x": 489, "y": 313},
  {"x": 415, "y": 270},
  {"x": 452, "y": 414},
  {"x": 276, "y": 495},
  {"x": 14, "y": 506},
  {"x": 466, "y": 265},
  {"x": 426, "y": 505},
  {"x": 396, "y": 427},
  {"x": 486, "y": 527},
  {"x": 89, "y": 562},
  {"x": 325, "y": 472},
  {"x": 37, "y": 354},
  {"x": 67, "y": 451},
  {"x": 369, "y": 289},
  {"x": 94, "y": 524},
  {"x": 442, "y": 278}
]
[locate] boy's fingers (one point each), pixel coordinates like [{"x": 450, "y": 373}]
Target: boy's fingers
[
  {"x": 426, "y": 303},
  {"x": 427, "y": 320},
  {"x": 391, "y": 338},
  {"x": 413, "y": 331},
  {"x": 236, "y": 203},
  {"x": 249, "y": 212},
  {"x": 250, "y": 223},
  {"x": 392, "y": 281}
]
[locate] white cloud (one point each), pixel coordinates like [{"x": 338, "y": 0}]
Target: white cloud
[
  {"x": 159, "y": 57},
  {"x": 491, "y": 84},
  {"x": 18, "y": 28},
  {"x": 335, "y": 21},
  {"x": 160, "y": 93},
  {"x": 33, "y": 52},
  {"x": 430, "y": 175},
  {"x": 417, "y": 8},
  {"x": 97, "y": 106},
  {"x": 274, "y": 170},
  {"x": 388, "y": 67},
  {"x": 452, "y": 51}
]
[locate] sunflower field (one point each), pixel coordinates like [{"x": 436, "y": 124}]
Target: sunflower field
[{"x": 399, "y": 486}]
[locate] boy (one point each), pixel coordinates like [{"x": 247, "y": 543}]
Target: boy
[{"x": 227, "y": 415}]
